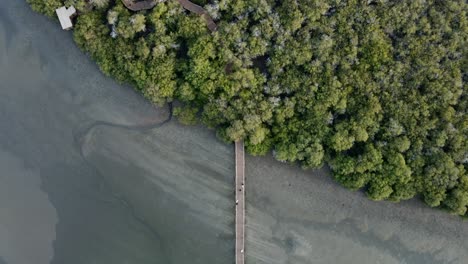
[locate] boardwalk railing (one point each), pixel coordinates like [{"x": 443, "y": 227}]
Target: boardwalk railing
[{"x": 240, "y": 202}]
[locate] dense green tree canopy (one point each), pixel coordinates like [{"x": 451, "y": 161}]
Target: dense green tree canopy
[{"x": 374, "y": 88}]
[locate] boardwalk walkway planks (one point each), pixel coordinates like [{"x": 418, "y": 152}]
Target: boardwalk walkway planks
[
  {"x": 199, "y": 11},
  {"x": 194, "y": 8},
  {"x": 240, "y": 202},
  {"x": 137, "y": 6}
]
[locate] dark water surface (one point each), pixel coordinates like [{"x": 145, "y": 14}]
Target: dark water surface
[{"x": 72, "y": 191}]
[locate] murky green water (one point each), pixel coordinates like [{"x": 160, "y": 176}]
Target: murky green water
[{"x": 73, "y": 192}]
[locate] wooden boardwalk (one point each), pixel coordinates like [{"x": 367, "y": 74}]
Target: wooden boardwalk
[
  {"x": 240, "y": 202},
  {"x": 137, "y": 6},
  {"x": 148, "y": 4},
  {"x": 199, "y": 11}
]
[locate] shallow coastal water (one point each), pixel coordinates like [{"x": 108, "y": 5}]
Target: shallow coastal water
[
  {"x": 73, "y": 190},
  {"x": 62, "y": 198}
]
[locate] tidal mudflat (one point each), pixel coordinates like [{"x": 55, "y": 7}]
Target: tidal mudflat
[
  {"x": 297, "y": 216},
  {"x": 76, "y": 189}
]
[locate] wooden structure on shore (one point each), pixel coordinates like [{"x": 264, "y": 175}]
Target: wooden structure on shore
[
  {"x": 65, "y": 16},
  {"x": 240, "y": 202}
]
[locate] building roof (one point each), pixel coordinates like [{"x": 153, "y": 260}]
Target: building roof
[{"x": 64, "y": 15}]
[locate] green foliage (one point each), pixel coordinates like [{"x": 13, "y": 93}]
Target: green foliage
[
  {"x": 457, "y": 200},
  {"x": 186, "y": 115},
  {"x": 45, "y": 7},
  {"x": 376, "y": 89},
  {"x": 127, "y": 27},
  {"x": 100, "y": 3}
]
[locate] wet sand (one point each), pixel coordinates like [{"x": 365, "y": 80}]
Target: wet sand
[
  {"x": 165, "y": 195},
  {"x": 298, "y": 216},
  {"x": 78, "y": 206}
]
